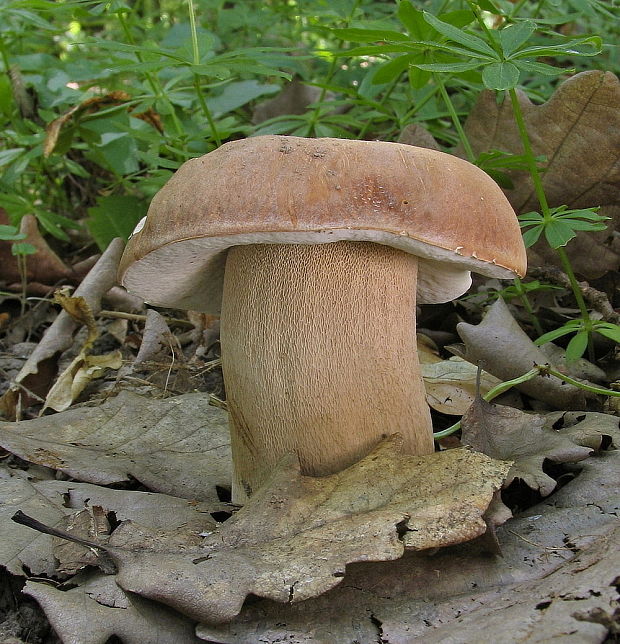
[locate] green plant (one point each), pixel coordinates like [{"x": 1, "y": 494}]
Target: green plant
[{"x": 446, "y": 47}]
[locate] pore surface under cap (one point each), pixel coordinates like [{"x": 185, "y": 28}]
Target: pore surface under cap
[{"x": 277, "y": 189}]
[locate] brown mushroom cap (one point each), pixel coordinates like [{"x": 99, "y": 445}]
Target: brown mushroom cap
[{"x": 292, "y": 190}]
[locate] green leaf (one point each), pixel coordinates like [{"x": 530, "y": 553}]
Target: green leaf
[
  {"x": 590, "y": 46},
  {"x": 558, "y": 233},
  {"x": 577, "y": 346},
  {"x": 554, "y": 335},
  {"x": 612, "y": 332},
  {"x": 23, "y": 248},
  {"x": 539, "y": 68},
  {"x": 7, "y": 156},
  {"x": 530, "y": 237},
  {"x": 379, "y": 50},
  {"x": 10, "y": 233},
  {"x": 114, "y": 216},
  {"x": 413, "y": 20},
  {"x": 392, "y": 69},
  {"x": 368, "y": 35},
  {"x": 448, "y": 67},
  {"x": 500, "y": 76},
  {"x": 487, "y": 5},
  {"x": 513, "y": 36},
  {"x": 458, "y": 35},
  {"x": 532, "y": 217}
]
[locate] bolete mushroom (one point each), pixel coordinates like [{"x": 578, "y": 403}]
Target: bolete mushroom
[{"x": 314, "y": 250}]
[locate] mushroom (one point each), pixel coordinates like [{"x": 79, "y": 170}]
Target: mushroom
[{"x": 314, "y": 250}]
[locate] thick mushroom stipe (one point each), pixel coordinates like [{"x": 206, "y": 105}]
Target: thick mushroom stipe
[{"x": 319, "y": 356}]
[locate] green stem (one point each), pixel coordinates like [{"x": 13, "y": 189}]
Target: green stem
[
  {"x": 568, "y": 269},
  {"x": 527, "y": 305},
  {"x": 362, "y": 133},
  {"x": 151, "y": 79},
  {"x": 529, "y": 154},
  {"x": 196, "y": 56},
  {"x": 544, "y": 206},
  {"x": 538, "y": 370},
  {"x": 455, "y": 119},
  {"x": 330, "y": 74}
]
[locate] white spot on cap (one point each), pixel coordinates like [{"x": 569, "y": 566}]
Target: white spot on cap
[{"x": 139, "y": 227}]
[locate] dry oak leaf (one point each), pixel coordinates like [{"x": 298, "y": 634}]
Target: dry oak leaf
[
  {"x": 590, "y": 429},
  {"x": 407, "y": 600},
  {"x": 507, "y": 433},
  {"x": 578, "y": 131},
  {"x": 295, "y": 536},
  {"x": 179, "y": 446},
  {"x": 98, "y": 609},
  {"x": 451, "y": 385},
  {"x": 503, "y": 349},
  {"x": 23, "y": 549},
  {"x": 34, "y": 375}
]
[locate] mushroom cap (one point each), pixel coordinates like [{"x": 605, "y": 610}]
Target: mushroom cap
[{"x": 293, "y": 190}]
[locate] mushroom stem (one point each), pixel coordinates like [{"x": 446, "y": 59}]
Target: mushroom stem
[{"x": 319, "y": 356}]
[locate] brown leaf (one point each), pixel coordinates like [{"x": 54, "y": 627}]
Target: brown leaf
[
  {"x": 59, "y": 336},
  {"x": 450, "y": 385},
  {"x": 90, "y": 523},
  {"x": 502, "y": 348},
  {"x": 43, "y": 267},
  {"x": 511, "y": 434},
  {"x": 561, "y": 554},
  {"x": 90, "y": 106},
  {"x": 179, "y": 445},
  {"x": 98, "y": 609},
  {"x": 22, "y": 549},
  {"x": 296, "y": 535},
  {"x": 578, "y": 131}
]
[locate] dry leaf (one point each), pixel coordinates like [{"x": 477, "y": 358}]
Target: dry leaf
[
  {"x": 59, "y": 336},
  {"x": 179, "y": 445},
  {"x": 418, "y": 135},
  {"x": 52, "y": 501},
  {"x": 450, "y": 385},
  {"x": 90, "y": 106},
  {"x": 578, "y": 131},
  {"x": 505, "y": 350},
  {"x": 98, "y": 609},
  {"x": 44, "y": 268},
  {"x": 74, "y": 379},
  {"x": 90, "y": 523},
  {"x": 511, "y": 434},
  {"x": 294, "y": 98},
  {"x": 562, "y": 554},
  {"x": 589, "y": 429},
  {"x": 296, "y": 535}
]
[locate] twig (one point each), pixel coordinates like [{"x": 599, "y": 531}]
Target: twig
[
  {"x": 595, "y": 298},
  {"x": 135, "y": 317}
]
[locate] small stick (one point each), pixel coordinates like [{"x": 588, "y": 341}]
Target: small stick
[{"x": 135, "y": 317}]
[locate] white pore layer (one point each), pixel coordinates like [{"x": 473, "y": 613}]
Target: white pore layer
[{"x": 188, "y": 274}]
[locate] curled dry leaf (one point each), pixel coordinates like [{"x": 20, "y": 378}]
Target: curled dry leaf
[
  {"x": 178, "y": 446},
  {"x": 561, "y": 554},
  {"x": 500, "y": 345},
  {"x": 90, "y": 106},
  {"x": 59, "y": 336},
  {"x": 578, "y": 131},
  {"x": 22, "y": 549},
  {"x": 296, "y": 535},
  {"x": 98, "y": 609},
  {"x": 43, "y": 269},
  {"x": 511, "y": 434},
  {"x": 589, "y": 429},
  {"x": 450, "y": 385}
]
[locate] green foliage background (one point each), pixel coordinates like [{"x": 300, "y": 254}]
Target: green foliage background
[{"x": 197, "y": 68}]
